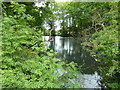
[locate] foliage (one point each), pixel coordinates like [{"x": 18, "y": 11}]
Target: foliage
[
  {"x": 105, "y": 50},
  {"x": 27, "y": 64},
  {"x": 81, "y": 18},
  {"x": 25, "y": 61},
  {"x": 103, "y": 46}
]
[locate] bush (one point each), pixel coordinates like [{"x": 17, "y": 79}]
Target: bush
[
  {"x": 25, "y": 61},
  {"x": 105, "y": 50}
]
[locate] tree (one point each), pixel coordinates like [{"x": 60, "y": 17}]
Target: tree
[{"x": 105, "y": 46}]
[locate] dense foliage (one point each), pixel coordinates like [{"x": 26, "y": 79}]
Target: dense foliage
[
  {"x": 81, "y": 18},
  {"x": 25, "y": 61},
  {"x": 97, "y": 24},
  {"x": 27, "y": 64},
  {"x": 105, "y": 50},
  {"x": 103, "y": 46}
]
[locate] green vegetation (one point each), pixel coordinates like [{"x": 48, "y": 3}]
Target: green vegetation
[
  {"x": 25, "y": 61},
  {"x": 103, "y": 46},
  {"x": 105, "y": 50},
  {"x": 96, "y": 23},
  {"x": 27, "y": 64}
]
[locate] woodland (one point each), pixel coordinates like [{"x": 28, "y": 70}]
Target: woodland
[{"x": 26, "y": 63}]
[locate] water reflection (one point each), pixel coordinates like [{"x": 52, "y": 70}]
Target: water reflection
[
  {"x": 90, "y": 80},
  {"x": 69, "y": 48}
]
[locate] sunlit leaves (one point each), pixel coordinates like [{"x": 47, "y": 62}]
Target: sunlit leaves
[{"x": 26, "y": 63}]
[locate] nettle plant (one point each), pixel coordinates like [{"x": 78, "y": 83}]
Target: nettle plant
[{"x": 25, "y": 61}]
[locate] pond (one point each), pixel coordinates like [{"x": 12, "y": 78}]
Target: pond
[{"x": 69, "y": 49}]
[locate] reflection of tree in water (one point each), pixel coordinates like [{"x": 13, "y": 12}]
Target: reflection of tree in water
[{"x": 70, "y": 49}]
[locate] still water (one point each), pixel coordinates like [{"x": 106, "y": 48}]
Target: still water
[{"x": 69, "y": 49}]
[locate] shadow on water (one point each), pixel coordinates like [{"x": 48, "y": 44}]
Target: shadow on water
[{"x": 70, "y": 49}]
